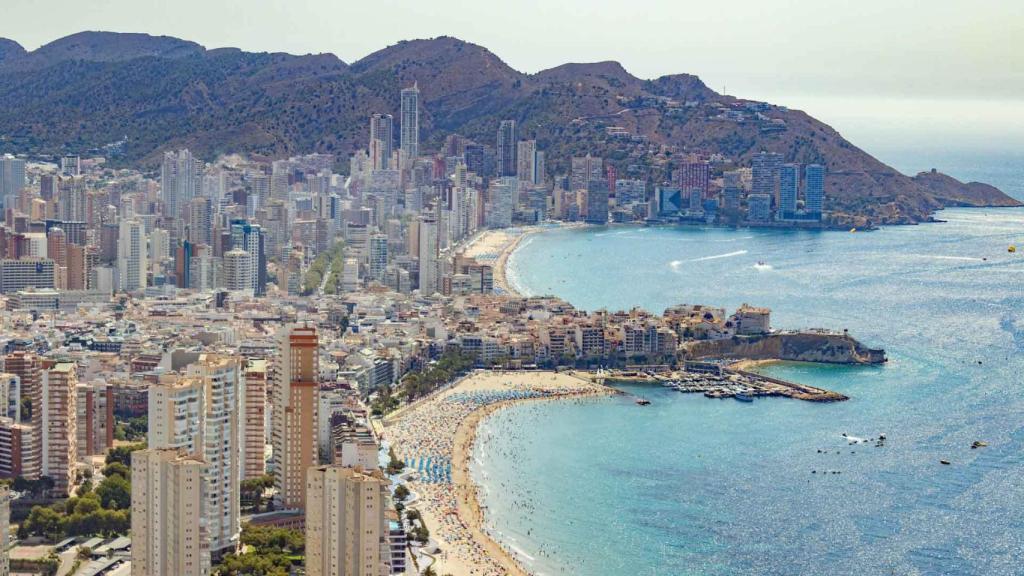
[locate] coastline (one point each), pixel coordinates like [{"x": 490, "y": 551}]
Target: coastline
[
  {"x": 458, "y": 525},
  {"x": 495, "y": 246}
]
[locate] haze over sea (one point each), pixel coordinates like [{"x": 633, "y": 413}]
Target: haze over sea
[{"x": 690, "y": 485}]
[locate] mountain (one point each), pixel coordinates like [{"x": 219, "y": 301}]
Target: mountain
[{"x": 151, "y": 93}]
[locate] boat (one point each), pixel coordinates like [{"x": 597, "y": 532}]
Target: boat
[
  {"x": 744, "y": 398},
  {"x": 643, "y": 401},
  {"x": 944, "y": 462}
]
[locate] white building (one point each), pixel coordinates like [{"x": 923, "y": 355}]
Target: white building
[{"x": 168, "y": 535}]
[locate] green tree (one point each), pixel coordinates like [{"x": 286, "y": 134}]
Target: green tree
[
  {"x": 117, "y": 469},
  {"x": 123, "y": 454},
  {"x": 115, "y": 492}
]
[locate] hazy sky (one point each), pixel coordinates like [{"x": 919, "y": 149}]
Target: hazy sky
[
  {"x": 955, "y": 65},
  {"x": 926, "y": 48}
]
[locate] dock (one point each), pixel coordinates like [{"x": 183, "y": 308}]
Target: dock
[{"x": 726, "y": 382}]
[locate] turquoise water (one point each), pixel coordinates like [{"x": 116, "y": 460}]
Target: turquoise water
[{"x": 690, "y": 485}]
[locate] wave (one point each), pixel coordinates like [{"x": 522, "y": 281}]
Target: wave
[
  {"x": 940, "y": 257},
  {"x": 675, "y": 265},
  {"x": 717, "y": 256}
]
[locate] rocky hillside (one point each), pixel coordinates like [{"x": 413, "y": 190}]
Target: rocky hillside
[{"x": 93, "y": 88}]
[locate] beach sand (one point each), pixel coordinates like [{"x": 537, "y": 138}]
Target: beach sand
[
  {"x": 495, "y": 246},
  {"x": 445, "y": 426}
]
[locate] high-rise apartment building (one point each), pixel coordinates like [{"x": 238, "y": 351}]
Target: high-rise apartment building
[
  {"x": 12, "y": 179},
  {"x": 132, "y": 255},
  {"x": 506, "y": 148},
  {"x": 410, "y": 129},
  {"x": 814, "y": 190},
  {"x": 168, "y": 535},
  {"x": 252, "y": 239},
  {"x": 585, "y": 169},
  {"x": 378, "y": 256},
  {"x": 765, "y": 168},
  {"x": 346, "y": 529},
  {"x": 789, "y": 189},
  {"x": 530, "y": 163},
  {"x": 295, "y": 392},
  {"x": 254, "y": 425},
  {"x": 181, "y": 178},
  {"x": 381, "y": 141},
  {"x": 28, "y": 368},
  {"x": 428, "y": 255},
  {"x": 60, "y": 426},
  {"x": 5, "y": 529},
  {"x": 95, "y": 415},
  {"x": 221, "y": 378}
]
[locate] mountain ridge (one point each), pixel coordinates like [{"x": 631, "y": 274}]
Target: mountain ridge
[{"x": 93, "y": 88}]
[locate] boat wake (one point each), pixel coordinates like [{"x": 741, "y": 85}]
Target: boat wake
[
  {"x": 675, "y": 265},
  {"x": 717, "y": 256},
  {"x": 761, "y": 267}
]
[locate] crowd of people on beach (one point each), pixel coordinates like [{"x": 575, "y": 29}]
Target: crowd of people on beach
[{"x": 430, "y": 430}]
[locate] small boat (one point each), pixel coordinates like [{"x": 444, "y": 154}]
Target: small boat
[
  {"x": 944, "y": 462},
  {"x": 643, "y": 401},
  {"x": 744, "y": 398},
  {"x": 978, "y": 444}
]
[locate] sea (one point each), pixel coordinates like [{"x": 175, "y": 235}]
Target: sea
[{"x": 690, "y": 485}]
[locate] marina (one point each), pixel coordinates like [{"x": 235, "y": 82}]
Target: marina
[{"x": 721, "y": 381}]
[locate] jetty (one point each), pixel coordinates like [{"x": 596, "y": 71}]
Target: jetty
[{"x": 718, "y": 381}]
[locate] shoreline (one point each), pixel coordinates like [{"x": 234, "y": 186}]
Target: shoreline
[
  {"x": 451, "y": 527},
  {"x": 505, "y": 243}
]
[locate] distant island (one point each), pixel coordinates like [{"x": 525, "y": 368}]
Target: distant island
[{"x": 131, "y": 97}]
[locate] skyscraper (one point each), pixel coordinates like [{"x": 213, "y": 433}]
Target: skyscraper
[
  {"x": 585, "y": 170},
  {"x": 346, "y": 529},
  {"x": 378, "y": 256},
  {"x": 27, "y": 367},
  {"x": 295, "y": 391},
  {"x": 197, "y": 415},
  {"x": 506, "y": 147},
  {"x": 168, "y": 535},
  {"x": 410, "y": 137},
  {"x": 132, "y": 261},
  {"x": 12, "y": 179},
  {"x": 181, "y": 177},
  {"x": 428, "y": 251},
  {"x": 5, "y": 528},
  {"x": 814, "y": 190},
  {"x": 221, "y": 379},
  {"x": 789, "y": 187},
  {"x": 765, "y": 173},
  {"x": 95, "y": 417},
  {"x": 530, "y": 162},
  {"x": 381, "y": 141},
  {"x": 695, "y": 175},
  {"x": 60, "y": 430},
  {"x": 252, "y": 239},
  {"x": 254, "y": 404}
]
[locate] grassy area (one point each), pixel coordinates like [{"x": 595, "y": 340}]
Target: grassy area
[{"x": 330, "y": 263}]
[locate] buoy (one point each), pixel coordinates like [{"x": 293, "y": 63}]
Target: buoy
[{"x": 1011, "y": 249}]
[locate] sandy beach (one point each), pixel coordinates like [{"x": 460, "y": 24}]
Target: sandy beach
[
  {"x": 495, "y": 246},
  {"x": 443, "y": 428}
]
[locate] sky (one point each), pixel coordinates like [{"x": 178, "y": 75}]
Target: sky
[{"x": 949, "y": 68}]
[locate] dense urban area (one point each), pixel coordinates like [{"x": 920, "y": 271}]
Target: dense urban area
[{"x": 204, "y": 370}]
